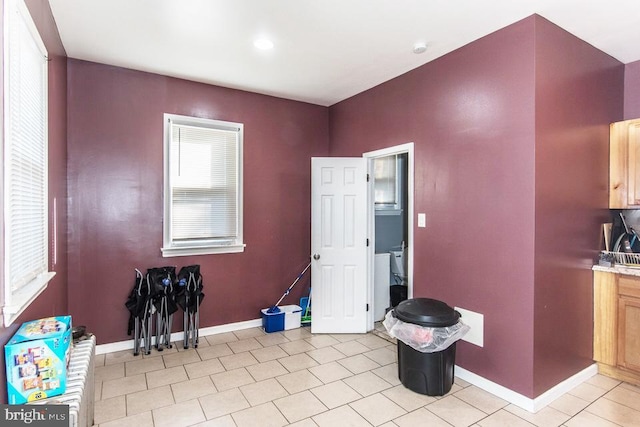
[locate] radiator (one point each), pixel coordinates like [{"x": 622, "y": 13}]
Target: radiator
[{"x": 80, "y": 393}]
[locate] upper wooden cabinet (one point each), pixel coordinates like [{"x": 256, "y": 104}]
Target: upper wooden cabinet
[{"x": 624, "y": 165}]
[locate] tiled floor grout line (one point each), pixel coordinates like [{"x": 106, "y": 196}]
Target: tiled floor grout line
[
  {"x": 315, "y": 345},
  {"x": 590, "y": 404},
  {"x": 596, "y": 415}
]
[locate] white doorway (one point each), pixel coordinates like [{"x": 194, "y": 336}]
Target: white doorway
[
  {"x": 343, "y": 239},
  {"x": 400, "y": 211}
]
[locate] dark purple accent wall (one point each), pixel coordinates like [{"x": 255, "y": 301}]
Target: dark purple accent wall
[
  {"x": 471, "y": 117},
  {"x": 579, "y": 91},
  {"x": 53, "y": 301},
  {"x": 632, "y": 90},
  {"x": 115, "y": 180},
  {"x": 490, "y": 123}
]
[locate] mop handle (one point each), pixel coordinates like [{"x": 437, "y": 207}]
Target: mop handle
[{"x": 293, "y": 284}]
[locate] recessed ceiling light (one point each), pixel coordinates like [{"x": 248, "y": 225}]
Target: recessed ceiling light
[
  {"x": 263, "y": 44},
  {"x": 419, "y": 47}
]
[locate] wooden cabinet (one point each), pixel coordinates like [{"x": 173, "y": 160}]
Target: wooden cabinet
[
  {"x": 624, "y": 164},
  {"x": 605, "y": 320},
  {"x": 616, "y": 322},
  {"x": 629, "y": 323}
]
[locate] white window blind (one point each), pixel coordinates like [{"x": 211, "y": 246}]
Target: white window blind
[
  {"x": 203, "y": 203},
  {"x": 385, "y": 175},
  {"x": 25, "y": 162}
]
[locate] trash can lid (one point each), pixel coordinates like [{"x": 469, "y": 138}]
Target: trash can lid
[{"x": 426, "y": 312}]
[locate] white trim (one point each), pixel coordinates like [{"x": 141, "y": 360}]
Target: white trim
[
  {"x": 559, "y": 389},
  {"x": 24, "y": 11},
  {"x": 526, "y": 403},
  {"x": 191, "y": 251},
  {"x": 179, "y": 336},
  {"x": 15, "y": 301},
  {"x": 169, "y": 247},
  {"x": 21, "y": 299}
]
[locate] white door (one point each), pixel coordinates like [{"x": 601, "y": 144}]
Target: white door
[{"x": 339, "y": 245}]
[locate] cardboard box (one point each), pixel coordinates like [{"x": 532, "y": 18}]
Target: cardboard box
[
  {"x": 288, "y": 318},
  {"x": 36, "y": 359}
]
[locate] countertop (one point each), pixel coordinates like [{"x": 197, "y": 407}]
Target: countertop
[{"x": 618, "y": 269}]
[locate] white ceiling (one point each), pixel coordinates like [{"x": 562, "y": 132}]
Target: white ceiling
[{"x": 325, "y": 50}]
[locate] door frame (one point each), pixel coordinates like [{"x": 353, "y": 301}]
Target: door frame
[{"x": 407, "y": 148}]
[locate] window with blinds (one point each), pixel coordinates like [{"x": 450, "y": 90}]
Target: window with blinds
[
  {"x": 25, "y": 163},
  {"x": 386, "y": 182},
  {"x": 203, "y": 186}
]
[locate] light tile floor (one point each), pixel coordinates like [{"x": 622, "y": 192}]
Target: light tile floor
[{"x": 249, "y": 378}]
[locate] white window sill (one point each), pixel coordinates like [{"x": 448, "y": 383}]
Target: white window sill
[
  {"x": 190, "y": 251},
  {"x": 24, "y": 297}
]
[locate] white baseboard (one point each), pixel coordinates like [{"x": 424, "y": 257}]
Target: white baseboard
[
  {"x": 559, "y": 389},
  {"x": 179, "y": 336},
  {"x": 526, "y": 403}
]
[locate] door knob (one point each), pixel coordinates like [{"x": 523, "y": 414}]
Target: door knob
[{"x": 316, "y": 256}]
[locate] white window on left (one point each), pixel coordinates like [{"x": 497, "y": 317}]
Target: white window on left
[{"x": 25, "y": 198}]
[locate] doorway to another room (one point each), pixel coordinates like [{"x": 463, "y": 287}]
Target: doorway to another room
[
  {"x": 362, "y": 251},
  {"x": 391, "y": 225}
]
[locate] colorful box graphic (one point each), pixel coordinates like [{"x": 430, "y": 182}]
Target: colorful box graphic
[{"x": 36, "y": 359}]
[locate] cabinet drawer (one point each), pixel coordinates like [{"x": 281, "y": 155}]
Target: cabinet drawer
[{"x": 630, "y": 286}]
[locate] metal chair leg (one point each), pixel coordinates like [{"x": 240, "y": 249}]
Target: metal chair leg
[{"x": 136, "y": 336}]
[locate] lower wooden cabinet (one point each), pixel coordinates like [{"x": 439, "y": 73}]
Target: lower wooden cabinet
[
  {"x": 616, "y": 338},
  {"x": 605, "y": 320},
  {"x": 629, "y": 331}
]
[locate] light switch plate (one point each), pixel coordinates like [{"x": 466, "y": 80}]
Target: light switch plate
[{"x": 422, "y": 220}]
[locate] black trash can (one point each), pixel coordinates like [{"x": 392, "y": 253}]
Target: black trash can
[
  {"x": 397, "y": 294},
  {"x": 426, "y": 373}
]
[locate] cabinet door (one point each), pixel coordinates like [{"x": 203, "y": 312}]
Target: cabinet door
[
  {"x": 633, "y": 177},
  {"x": 629, "y": 333},
  {"x": 605, "y": 317},
  {"x": 624, "y": 164}
]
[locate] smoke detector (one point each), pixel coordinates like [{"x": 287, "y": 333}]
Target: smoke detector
[{"x": 419, "y": 47}]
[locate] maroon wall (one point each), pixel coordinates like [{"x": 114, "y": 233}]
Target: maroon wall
[
  {"x": 115, "y": 193},
  {"x": 490, "y": 121},
  {"x": 53, "y": 301},
  {"x": 579, "y": 91},
  {"x": 471, "y": 117},
  {"x": 511, "y": 137},
  {"x": 632, "y": 91}
]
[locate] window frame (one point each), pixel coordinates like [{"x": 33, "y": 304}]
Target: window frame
[
  {"x": 172, "y": 248},
  {"x": 15, "y": 301}
]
